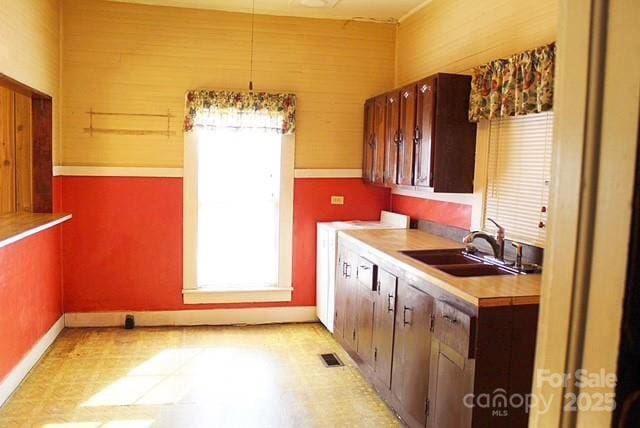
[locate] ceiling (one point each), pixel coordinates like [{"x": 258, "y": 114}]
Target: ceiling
[{"x": 376, "y": 10}]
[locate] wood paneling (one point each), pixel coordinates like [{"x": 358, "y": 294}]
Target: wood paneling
[
  {"x": 7, "y": 153},
  {"x": 24, "y": 154},
  {"x": 142, "y": 59},
  {"x": 455, "y": 35},
  {"x": 30, "y": 47}
]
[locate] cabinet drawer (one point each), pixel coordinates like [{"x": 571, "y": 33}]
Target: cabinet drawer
[
  {"x": 367, "y": 274},
  {"x": 455, "y": 329}
]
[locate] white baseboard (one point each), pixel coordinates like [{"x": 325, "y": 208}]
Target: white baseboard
[
  {"x": 20, "y": 371},
  {"x": 272, "y": 315}
]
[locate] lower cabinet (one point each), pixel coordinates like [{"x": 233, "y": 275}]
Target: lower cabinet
[
  {"x": 411, "y": 354},
  {"x": 346, "y": 288},
  {"x": 451, "y": 381},
  {"x": 452, "y": 368},
  {"x": 366, "y": 284},
  {"x": 384, "y": 325},
  {"x": 426, "y": 352}
]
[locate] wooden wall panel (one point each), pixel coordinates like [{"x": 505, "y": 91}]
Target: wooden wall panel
[
  {"x": 455, "y": 35},
  {"x": 24, "y": 153},
  {"x": 142, "y": 59},
  {"x": 7, "y": 153},
  {"x": 30, "y": 47}
]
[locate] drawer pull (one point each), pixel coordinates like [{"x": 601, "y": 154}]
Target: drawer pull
[
  {"x": 450, "y": 319},
  {"x": 404, "y": 315},
  {"x": 389, "y": 303},
  {"x": 347, "y": 271},
  {"x": 364, "y": 267}
]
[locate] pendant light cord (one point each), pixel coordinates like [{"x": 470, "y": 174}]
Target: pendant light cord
[{"x": 253, "y": 17}]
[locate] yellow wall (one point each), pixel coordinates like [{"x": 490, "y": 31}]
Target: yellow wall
[
  {"x": 456, "y": 35},
  {"x": 140, "y": 59},
  {"x": 30, "y": 48}
]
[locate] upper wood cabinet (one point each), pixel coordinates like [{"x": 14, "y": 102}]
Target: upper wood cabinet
[
  {"x": 392, "y": 137},
  {"x": 428, "y": 139},
  {"x": 374, "y": 137},
  {"x": 425, "y": 127},
  {"x": 406, "y": 134}
]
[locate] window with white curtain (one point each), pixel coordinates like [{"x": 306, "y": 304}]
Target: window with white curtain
[
  {"x": 238, "y": 210},
  {"x": 238, "y": 207},
  {"x": 518, "y": 176}
]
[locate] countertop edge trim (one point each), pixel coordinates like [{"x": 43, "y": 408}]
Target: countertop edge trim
[
  {"x": 477, "y": 301},
  {"x": 34, "y": 230}
]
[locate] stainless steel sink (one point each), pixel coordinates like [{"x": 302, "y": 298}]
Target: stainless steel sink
[
  {"x": 483, "y": 269},
  {"x": 443, "y": 257},
  {"x": 460, "y": 263}
]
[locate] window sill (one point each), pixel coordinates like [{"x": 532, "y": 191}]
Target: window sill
[{"x": 210, "y": 295}]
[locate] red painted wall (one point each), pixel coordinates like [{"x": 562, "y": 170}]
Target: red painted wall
[
  {"x": 123, "y": 248},
  {"x": 30, "y": 294},
  {"x": 448, "y": 213}
]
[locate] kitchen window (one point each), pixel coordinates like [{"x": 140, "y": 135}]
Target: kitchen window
[
  {"x": 518, "y": 176},
  {"x": 238, "y": 201}
]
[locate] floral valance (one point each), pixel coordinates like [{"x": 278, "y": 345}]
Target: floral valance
[
  {"x": 230, "y": 109},
  {"x": 517, "y": 85}
]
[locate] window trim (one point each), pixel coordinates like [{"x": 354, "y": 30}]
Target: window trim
[{"x": 191, "y": 293}]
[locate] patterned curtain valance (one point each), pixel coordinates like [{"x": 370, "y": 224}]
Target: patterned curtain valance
[
  {"x": 517, "y": 85},
  {"x": 229, "y": 109}
]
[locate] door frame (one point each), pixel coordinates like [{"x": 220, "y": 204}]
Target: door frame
[{"x": 596, "y": 107}]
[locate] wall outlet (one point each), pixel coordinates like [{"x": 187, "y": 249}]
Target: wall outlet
[{"x": 337, "y": 200}]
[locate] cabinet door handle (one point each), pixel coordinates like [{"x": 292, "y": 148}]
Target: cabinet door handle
[
  {"x": 389, "y": 303},
  {"x": 450, "y": 319},
  {"x": 347, "y": 272},
  {"x": 404, "y": 315},
  {"x": 344, "y": 269}
]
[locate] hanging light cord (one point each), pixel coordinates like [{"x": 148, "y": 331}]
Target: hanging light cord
[{"x": 253, "y": 17}]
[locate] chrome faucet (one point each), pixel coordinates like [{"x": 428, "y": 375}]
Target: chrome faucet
[{"x": 497, "y": 242}]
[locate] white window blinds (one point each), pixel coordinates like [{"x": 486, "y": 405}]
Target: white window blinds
[{"x": 518, "y": 174}]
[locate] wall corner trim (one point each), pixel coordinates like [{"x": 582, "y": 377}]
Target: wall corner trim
[
  {"x": 269, "y": 315},
  {"x": 9, "y": 384}
]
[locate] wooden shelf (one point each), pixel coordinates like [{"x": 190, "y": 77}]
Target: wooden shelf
[{"x": 17, "y": 226}]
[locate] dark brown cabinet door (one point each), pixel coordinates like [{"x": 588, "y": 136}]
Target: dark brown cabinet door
[
  {"x": 425, "y": 131},
  {"x": 454, "y": 142},
  {"x": 407, "y": 134},
  {"x": 383, "y": 325},
  {"x": 379, "y": 132},
  {"x": 368, "y": 155},
  {"x": 364, "y": 330},
  {"x": 451, "y": 380},
  {"x": 344, "y": 318},
  {"x": 351, "y": 301},
  {"x": 341, "y": 294},
  {"x": 366, "y": 286},
  {"x": 411, "y": 354},
  {"x": 392, "y": 138}
]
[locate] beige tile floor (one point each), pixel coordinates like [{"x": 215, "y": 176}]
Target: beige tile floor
[{"x": 253, "y": 376}]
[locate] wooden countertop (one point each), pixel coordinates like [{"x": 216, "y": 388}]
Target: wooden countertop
[
  {"x": 17, "y": 226},
  {"x": 498, "y": 290}
]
